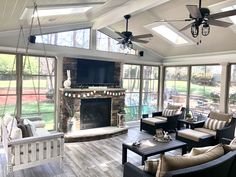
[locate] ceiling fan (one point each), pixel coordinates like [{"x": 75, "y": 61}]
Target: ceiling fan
[
  {"x": 126, "y": 37},
  {"x": 202, "y": 17}
]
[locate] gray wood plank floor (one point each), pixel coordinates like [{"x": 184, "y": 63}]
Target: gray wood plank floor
[{"x": 101, "y": 158}]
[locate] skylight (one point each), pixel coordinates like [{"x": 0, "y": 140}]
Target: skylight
[
  {"x": 170, "y": 34},
  {"x": 233, "y": 7},
  {"x": 61, "y": 11}
]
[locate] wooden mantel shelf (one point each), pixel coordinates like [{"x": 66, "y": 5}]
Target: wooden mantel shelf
[{"x": 90, "y": 89}]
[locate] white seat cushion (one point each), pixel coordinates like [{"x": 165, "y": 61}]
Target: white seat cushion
[
  {"x": 160, "y": 117},
  {"x": 205, "y": 130},
  {"x": 152, "y": 121},
  {"x": 192, "y": 134}
]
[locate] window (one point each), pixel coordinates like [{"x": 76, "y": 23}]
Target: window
[
  {"x": 232, "y": 90},
  {"x": 169, "y": 33},
  {"x": 34, "y": 86},
  {"x": 106, "y": 43},
  {"x": 78, "y": 38},
  {"x": 7, "y": 83},
  {"x": 205, "y": 89},
  {"x": 150, "y": 89},
  {"x": 175, "y": 85},
  {"x": 131, "y": 82},
  {"x": 38, "y": 89}
]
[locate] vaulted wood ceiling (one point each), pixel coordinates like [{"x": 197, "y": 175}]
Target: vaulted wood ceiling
[{"x": 110, "y": 14}]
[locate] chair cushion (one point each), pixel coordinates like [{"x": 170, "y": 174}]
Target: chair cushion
[
  {"x": 160, "y": 117},
  {"x": 214, "y": 124},
  {"x": 150, "y": 166},
  {"x": 169, "y": 163},
  {"x": 220, "y": 116},
  {"x": 205, "y": 130},
  {"x": 200, "y": 150},
  {"x": 152, "y": 121},
  {"x": 169, "y": 112},
  {"x": 192, "y": 134},
  {"x": 16, "y": 133}
]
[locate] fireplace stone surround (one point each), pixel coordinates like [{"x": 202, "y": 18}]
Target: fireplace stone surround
[{"x": 73, "y": 97}]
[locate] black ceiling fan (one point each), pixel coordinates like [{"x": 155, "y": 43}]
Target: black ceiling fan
[
  {"x": 202, "y": 17},
  {"x": 126, "y": 37}
]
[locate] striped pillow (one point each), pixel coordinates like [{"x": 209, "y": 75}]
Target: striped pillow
[
  {"x": 151, "y": 165},
  {"x": 169, "y": 112},
  {"x": 214, "y": 124}
]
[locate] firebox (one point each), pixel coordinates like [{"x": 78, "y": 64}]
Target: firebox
[{"x": 95, "y": 113}]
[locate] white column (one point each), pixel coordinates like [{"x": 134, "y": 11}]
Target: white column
[
  {"x": 225, "y": 76},
  {"x": 161, "y": 87}
]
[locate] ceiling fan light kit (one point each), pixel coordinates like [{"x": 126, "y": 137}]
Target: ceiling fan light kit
[{"x": 126, "y": 38}]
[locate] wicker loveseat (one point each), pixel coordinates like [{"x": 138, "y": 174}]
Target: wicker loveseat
[{"x": 158, "y": 120}]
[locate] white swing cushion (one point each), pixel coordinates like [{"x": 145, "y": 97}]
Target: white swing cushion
[{"x": 7, "y": 118}]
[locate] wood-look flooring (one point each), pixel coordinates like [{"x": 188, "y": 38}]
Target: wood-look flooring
[{"x": 101, "y": 158}]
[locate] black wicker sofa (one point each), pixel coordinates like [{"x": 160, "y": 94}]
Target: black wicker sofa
[{"x": 224, "y": 166}]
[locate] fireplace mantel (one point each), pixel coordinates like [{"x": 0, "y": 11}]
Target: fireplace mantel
[{"x": 75, "y": 95}]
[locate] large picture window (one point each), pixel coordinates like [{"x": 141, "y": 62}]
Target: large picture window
[
  {"x": 205, "y": 89},
  {"x": 150, "y": 89},
  {"x": 175, "y": 85},
  {"x": 131, "y": 82},
  {"x": 30, "y": 93},
  {"x": 232, "y": 90},
  {"x": 77, "y": 38}
]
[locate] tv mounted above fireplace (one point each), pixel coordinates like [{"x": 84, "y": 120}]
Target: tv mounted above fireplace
[{"x": 95, "y": 73}]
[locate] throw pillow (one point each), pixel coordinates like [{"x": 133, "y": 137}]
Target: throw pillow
[
  {"x": 233, "y": 142},
  {"x": 169, "y": 112},
  {"x": 150, "y": 166},
  {"x": 7, "y": 118},
  {"x": 220, "y": 116},
  {"x": 171, "y": 106},
  {"x": 201, "y": 150},
  {"x": 214, "y": 124},
  {"x": 16, "y": 133},
  {"x": 169, "y": 163},
  {"x": 31, "y": 128}
]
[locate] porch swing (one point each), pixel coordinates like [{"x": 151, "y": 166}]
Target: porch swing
[{"x": 22, "y": 153}]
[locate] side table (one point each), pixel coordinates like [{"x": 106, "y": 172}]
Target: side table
[{"x": 190, "y": 124}]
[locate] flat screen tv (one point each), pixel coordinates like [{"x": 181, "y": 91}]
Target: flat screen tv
[{"x": 95, "y": 73}]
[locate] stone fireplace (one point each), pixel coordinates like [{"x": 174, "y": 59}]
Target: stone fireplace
[
  {"x": 94, "y": 111},
  {"x": 91, "y": 105}
]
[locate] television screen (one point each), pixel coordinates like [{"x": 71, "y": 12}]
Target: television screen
[{"x": 94, "y": 72}]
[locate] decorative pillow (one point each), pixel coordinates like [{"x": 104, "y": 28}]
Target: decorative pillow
[
  {"x": 11, "y": 124},
  {"x": 220, "y": 116},
  {"x": 214, "y": 124},
  {"x": 32, "y": 128},
  {"x": 171, "y": 106},
  {"x": 150, "y": 166},
  {"x": 169, "y": 163},
  {"x": 16, "y": 133},
  {"x": 169, "y": 112},
  {"x": 201, "y": 150},
  {"x": 233, "y": 142}
]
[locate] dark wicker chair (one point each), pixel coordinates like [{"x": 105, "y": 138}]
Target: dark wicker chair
[
  {"x": 170, "y": 124},
  {"x": 226, "y": 132}
]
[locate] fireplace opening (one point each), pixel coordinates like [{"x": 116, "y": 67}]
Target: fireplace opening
[{"x": 95, "y": 113}]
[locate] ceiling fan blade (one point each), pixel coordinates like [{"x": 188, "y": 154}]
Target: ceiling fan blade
[
  {"x": 140, "y": 41},
  {"x": 194, "y": 11},
  {"x": 184, "y": 20},
  {"x": 120, "y": 34},
  {"x": 219, "y": 23},
  {"x": 142, "y": 36},
  {"x": 186, "y": 27},
  {"x": 222, "y": 14}
]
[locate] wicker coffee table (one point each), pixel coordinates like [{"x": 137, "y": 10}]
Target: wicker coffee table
[{"x": 150, "y": 147}]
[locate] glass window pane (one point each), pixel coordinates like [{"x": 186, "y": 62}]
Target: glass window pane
[
  {"x": 10, "y": 104},
  {"x": 150, "y": 85},
  {"x": 77, "y": 38},
  {"x": 175, "y": 85},
  {"x": 205, "y": 89},
  {"x": 232, "y": 90}
]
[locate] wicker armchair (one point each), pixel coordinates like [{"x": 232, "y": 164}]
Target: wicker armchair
[{"x": 168, "y": 123}]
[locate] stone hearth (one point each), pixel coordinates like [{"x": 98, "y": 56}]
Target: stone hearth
[{"x": 72, "y": 98}]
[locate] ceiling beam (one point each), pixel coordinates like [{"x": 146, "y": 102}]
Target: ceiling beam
[{"x": 131, "y": 7}]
